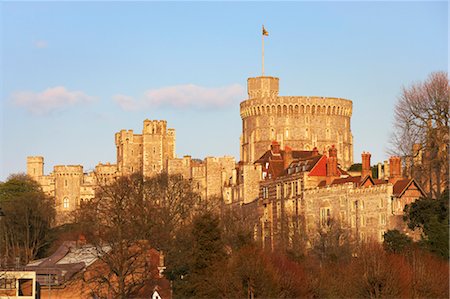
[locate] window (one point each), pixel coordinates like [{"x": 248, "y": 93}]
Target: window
[
  {"x": 383, "y": 219},
  {"x": 363, "y": 221},
  {"x": 8, "y": 283},
  {"x": 66, "y": 203},
  {"x": 355, "y": 205},
  {"x": 265, "y": 192},
  {"x": 325, "y": 216},
  {"x": 65, "y": 183},
  {"x": 381, "y": 202},
  {"x": 362, "y": 237},
  {"x": 278, "y": 191}
]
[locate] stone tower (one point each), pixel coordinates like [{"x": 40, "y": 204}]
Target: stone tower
[
  {"x": 68, "y": 181},
  {"x": 146, "y": 153},
  {"x": 35, "y": 167},
  {"x": 297, "y": 121}
]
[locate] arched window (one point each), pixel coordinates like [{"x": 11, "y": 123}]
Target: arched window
[{"x": 65, "y": 203}]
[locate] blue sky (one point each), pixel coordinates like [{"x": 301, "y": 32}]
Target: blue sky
[{"x": 74, "y": 73}]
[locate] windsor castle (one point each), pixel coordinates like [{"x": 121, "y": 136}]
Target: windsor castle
[{"x": 293, "y": 173}]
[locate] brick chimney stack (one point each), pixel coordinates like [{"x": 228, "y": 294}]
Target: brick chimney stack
[
  {"x": 365, "y": 171},
  {"x": 395, "y": 168},
  {"x": 288, "y": 158},
  {"x": 332, "y": 170},
  {"x": 315, "y": 152},
  {"x": 275, "y": 147}
]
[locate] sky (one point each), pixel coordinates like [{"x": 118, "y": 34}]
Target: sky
[{"x": 74, "y": 73}]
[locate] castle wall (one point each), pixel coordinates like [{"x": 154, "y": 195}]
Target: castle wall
[
  {"x": 180, "y": 166},
  {"x": 252, "y": 175},
  {"x": 364, "y": 210}
]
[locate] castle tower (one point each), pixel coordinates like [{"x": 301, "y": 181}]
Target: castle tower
[
  {"x": 68, "y": 181},
  {"x": 145, "y": 153},
  {"x": 158, "y": 146},
  {"x": 299, "y": 122},
  {"x": 129, "y": 152},
  {"x": 35, "y": 167}
]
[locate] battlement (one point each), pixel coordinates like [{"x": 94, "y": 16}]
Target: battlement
[
  {"x": 298, "y": 105},
  {"x": 35, "y": 159},
  {"x": 170, "y": 132},
  {"x": 155, "y": 127},
  {"x": 68, "y": 170}
]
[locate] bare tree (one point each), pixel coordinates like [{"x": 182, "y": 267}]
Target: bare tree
[
  {"x": 125, "y": 220},
  {"x": 421, "y": 131},
  {"x": 109, "y": 222},
  {"x": 170, "y": 202}
]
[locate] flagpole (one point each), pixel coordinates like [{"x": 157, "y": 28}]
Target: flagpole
[{"x": 262, "y": 53}]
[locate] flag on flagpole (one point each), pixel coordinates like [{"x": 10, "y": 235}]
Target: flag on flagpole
[{"x": 265, "y": 32}]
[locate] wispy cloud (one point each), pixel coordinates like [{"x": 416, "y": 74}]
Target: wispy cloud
[
  {"x": 40, "y": 44},
  {"x": 49, "y": 100},
  {"x": 184, "y": 96}
]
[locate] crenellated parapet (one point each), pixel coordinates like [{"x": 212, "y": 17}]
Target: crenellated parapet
[
  {"x": 155, "y": 127},
  {"x": 296, "y": 106},
  {"x": 68, "y": 170}
]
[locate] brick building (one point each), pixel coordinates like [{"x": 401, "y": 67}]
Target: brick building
[{"x": 303, "y": 191}]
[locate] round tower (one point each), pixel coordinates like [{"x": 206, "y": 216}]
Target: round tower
[
  {"x": 300, "y": 122},
  {"x": 68, "y": 180}
]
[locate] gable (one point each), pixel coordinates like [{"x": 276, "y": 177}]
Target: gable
[
  {"x": 320, "y": 168},
  {"x": 367, "y": 181},
  {"x": 409, "y": 188}
]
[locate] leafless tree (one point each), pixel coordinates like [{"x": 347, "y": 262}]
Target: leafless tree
[
  {"x": 170, "y": 202},
  {"x": 109, "y": 223},
  {"x": 421, "y": 131},
  {"x": 126, "y": 219}
]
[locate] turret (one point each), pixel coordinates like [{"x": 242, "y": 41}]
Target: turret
[
  {"x": 35, "y": 166},
  {"x": 259, "y": 87}
]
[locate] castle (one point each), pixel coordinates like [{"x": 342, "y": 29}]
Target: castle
[{"x": 294, "y": 153}]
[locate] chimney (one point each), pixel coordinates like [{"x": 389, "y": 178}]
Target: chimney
[
  {"x": 315, "y": 152},
  {"x": 386, "y": 170},
  {"x": 287, "y": 159},
  {"x": 275, "y": 147},
  {"x": 395, "y": 168},
  {"x": 332, "y": 170},
  {"x": 380, "y": 172},
  {"x": 81, "y": 240},
  {"x": 365, "y": 171}
]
